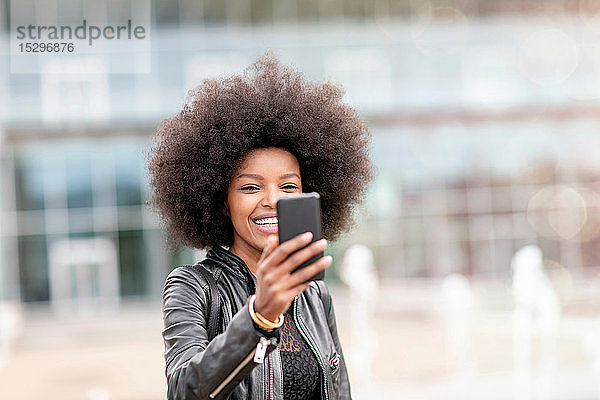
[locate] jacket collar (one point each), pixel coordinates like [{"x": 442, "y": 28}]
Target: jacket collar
[{"x": 230, "y": 262}]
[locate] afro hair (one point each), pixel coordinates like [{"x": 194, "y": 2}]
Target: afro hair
[{"x": 194, "y": 154}]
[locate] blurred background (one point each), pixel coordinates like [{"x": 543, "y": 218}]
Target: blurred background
[{"x": 475, "y": 270}]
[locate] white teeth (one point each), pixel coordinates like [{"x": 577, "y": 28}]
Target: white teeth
[{"x": 267, "y": 221}]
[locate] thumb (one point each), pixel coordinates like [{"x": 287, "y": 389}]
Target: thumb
[{"x": 272, "y": 243}]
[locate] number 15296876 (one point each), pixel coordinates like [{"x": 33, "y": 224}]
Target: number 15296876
[{"x": 46, "y": 47}]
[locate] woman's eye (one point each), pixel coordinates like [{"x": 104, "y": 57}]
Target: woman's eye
[
  {"x": 290, "y": 187},
  {"x": 249, "y": 188}
]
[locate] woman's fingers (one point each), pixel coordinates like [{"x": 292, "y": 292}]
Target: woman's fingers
[
  {"x": 301, "y": 256},
  {"x": 276, "y": 285},
  {"x": 281, "y": 252},
  {"x": 304, "y": 274}
]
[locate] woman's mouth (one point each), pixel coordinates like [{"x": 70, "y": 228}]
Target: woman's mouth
[{"x": 267, "y": 224}]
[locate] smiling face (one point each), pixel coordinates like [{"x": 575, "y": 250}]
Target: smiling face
[{"x": 265, "y": 175}]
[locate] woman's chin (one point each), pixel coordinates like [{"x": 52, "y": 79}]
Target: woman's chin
[{"x": 262, "y": 239}]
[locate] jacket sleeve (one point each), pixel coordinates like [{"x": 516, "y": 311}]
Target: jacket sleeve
[
  {"x": 195, "y": 367},
  {"x": 344, "y": 390}
]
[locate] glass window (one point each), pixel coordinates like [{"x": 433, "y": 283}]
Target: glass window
[
  {"x": 53, "y": 170},
  {"x": 103, "y": 171},
  {"x": 33, "y": 267},
  {"x": 29, "y": 182},
  {"x": 128, "y": 164},
  {"x": 131, "y": 263},
  {"x": 79, "y": 179}
]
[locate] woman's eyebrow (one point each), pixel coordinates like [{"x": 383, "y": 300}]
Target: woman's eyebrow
[
  {"x": 259, "y": 177},
  {"x": 254, "y": 176},
  {"x": 290, "y": 175}
]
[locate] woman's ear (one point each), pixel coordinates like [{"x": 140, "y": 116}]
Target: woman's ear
[{"x": 225, "y": 208}]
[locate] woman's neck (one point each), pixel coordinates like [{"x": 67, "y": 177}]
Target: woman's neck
[{"x": 248, "y": 254}]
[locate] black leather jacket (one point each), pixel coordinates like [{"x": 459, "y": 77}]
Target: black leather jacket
[{"x": 227, "y": 367}]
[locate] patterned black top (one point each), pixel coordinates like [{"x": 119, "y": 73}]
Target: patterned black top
[{"x": 301, "y": 371}]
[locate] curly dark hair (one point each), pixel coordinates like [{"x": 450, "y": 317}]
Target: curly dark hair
[{"x": 196, "y": 152}]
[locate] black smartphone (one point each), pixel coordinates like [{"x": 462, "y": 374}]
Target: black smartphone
[{"x": 298, "y": 214}]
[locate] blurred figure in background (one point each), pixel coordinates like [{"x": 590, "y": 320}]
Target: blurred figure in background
[
  {"x": 537, "y": 312},
  {"x": 458, "y": 315},
  {"x": 358, "y": 272},
  {"x": 591, "y": 344}
]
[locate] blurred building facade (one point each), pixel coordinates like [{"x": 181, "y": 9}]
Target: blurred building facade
[{"x": 485, "y": 136}]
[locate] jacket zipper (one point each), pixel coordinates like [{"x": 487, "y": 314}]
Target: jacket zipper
[
  {"x": 270, "y": 378},
  {"x": 266, "y": 379},
  {"x": 312, "y": 347},
  {"x": 257, "y": 355}
]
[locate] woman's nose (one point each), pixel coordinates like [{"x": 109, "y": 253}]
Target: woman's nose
[{"x": 270, "y": 198}]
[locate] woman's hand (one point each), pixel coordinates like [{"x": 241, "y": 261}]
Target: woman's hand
[{"x": 276, "y": 285}]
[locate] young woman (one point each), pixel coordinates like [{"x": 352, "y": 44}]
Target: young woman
[{"x": 217, "y": 169}]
